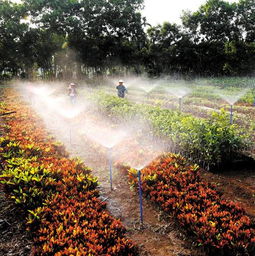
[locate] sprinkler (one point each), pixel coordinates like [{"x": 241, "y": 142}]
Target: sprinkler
[
  {"x": 179, "y": 92},
  {"x": 70, "y": 134},
  {"x": 110, "y": 165},
  {"x": 107, "y": 138},
  {"x": 180, "y": 104},
  {"x": 147, "y": 88},
  {"x": 140, "y": 195},
  {"x": 231, "y": 114},
  {"x": 231, "y": 99}
]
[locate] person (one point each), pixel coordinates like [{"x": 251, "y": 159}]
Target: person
[
  {"x": 121, "y": 89},
  {"x": 72, "y": 93}
]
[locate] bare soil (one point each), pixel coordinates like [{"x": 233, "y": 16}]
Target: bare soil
[
  {"x": 14, "y": 240},
  {"x": 236, "y": 185}
]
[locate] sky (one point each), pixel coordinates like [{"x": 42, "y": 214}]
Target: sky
[{"x": 159, "y": 11}]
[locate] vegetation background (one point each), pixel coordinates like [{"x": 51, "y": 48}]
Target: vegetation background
[{"x": 55, "y": 39}]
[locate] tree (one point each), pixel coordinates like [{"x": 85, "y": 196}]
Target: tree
[
  {"x": 223, "y": 34},
  {"x": 214, "y": 21},
  {"x": 11, "y": 34},
  {"x": 169, "y": 50},
  {"x": 102, "y": 32},
  {"x": 246, "y": 19}
]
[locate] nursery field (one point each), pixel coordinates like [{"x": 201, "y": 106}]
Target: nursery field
[
  {"x": 200, "y": 98},
  {"x": 69, "y": 173},
  {"x": 235, "y": 178},
  {"x": 124, "y": 132}
]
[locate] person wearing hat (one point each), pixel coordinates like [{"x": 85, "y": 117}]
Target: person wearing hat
[
  {"x": 121, "y": 89},
  {"x": 72, "y": 93}
]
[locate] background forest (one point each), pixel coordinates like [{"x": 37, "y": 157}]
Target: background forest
[{"x": 56, "y": 39}]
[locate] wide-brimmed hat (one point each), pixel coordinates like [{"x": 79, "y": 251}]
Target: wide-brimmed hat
[{"x": 121, "y": 81}]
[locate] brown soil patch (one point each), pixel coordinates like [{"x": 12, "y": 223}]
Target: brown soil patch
[
  {"x": 14, "y": 240},
  {"x": 238, "y": 186}
]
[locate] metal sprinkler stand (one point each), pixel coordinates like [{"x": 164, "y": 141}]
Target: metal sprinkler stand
[
  {"x": 110, "y": 166},
  {"x": 180, "y": 104},
  {"x": 231, "y": 114},
  {"x": 70, "y": 135},
  {"x": 140, "y": 196}
]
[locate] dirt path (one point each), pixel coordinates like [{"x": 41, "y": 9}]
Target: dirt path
[{"x": 158, "y": 236}]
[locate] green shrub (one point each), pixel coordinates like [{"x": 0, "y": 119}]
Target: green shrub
[
  {"x": 25, "y": 182},
  {"x": 210, "y": 142}
]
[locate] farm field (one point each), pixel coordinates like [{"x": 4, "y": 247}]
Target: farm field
[
  {"x": 234, "y": 180},
  {"x": 198, "y": 97},
  {"x": 101, "y": 127},
  {"x": 127, "y": 128},
  {"x": 159, "y": 237}
]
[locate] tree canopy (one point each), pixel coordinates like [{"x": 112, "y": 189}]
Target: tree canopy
[{"x": 62, "y": 39}]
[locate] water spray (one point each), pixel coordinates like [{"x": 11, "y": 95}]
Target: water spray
[
  {"x": 179, "y": 92},
  {"x": 108, "y": 138},
  {"x": 147, "y": 87},
  {"x": 39, "y": 93},
  {"x": 70, "y": 134}
]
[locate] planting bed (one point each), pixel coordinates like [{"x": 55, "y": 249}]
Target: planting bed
[
  {"x": 222, "y": 227},
  {"x": 57, "y": 196},
  {"x": 235, "y": 181},
  {"x": 160, "y": 236}
]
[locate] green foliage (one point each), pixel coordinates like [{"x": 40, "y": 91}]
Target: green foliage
[
  {"x": 12, "y": 148},
  {"x": 103, "y": 36},
  {"x": 210, "y": 143},
  {"x": 224, "y": 37},
  {"x": 26, "y": 182},
  {"x": 211, "y": 88}
]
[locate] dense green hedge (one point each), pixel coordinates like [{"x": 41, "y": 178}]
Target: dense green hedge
[{"x": 210, "y": 142}]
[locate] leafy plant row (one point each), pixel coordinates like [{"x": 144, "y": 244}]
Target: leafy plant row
[
  {"x": 209, "y": 142},
  {"x": 57, "y": 195},
  {"x": 220, "y": 226}
]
